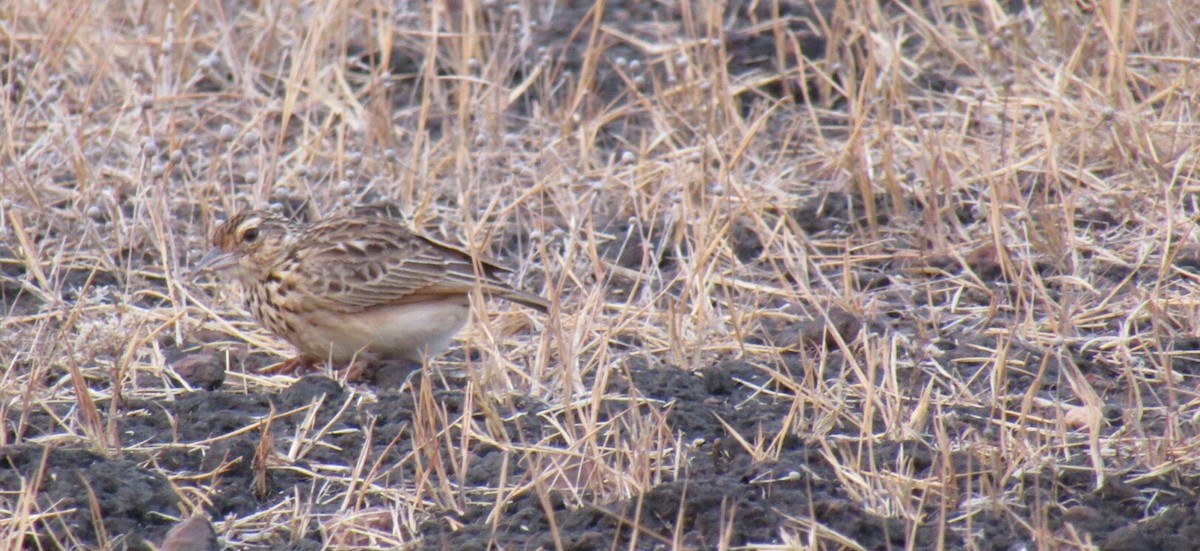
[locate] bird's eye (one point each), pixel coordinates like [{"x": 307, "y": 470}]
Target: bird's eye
[{"x": 250, "y": 235}]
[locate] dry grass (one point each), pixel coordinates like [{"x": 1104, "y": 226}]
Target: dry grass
[{"x": 1043, "y": 203}]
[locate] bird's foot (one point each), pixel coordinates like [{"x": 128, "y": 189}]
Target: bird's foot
[{"x": 291, "y": 366}]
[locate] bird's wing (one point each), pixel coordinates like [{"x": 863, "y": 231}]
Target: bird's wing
[{"x": 354, "y": 264}]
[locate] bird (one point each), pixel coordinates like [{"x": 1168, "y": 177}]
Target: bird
[{"x": 353, "y": 287}]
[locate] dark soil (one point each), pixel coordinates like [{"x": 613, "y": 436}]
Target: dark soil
[{"x": 723, "y": 496}]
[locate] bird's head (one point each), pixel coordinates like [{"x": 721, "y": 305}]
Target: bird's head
[{"x": 247, "y": 242}]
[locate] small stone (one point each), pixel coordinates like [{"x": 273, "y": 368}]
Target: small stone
[
  {"x": 818, "y": 334},
  {"x": 192, "y": 534},
  {"x": 201, "y": 370}
]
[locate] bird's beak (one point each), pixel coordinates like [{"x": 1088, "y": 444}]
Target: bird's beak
[{"x": 215, "y": 261}]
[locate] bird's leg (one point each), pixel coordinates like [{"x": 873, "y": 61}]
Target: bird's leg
[
  {"x": 359, "y": 369},
  {"x": 291, "y": 366}
]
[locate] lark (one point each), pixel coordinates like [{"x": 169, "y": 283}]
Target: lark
[{"x": 354, "y": 286}]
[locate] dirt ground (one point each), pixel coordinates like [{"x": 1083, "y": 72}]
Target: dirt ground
[{"x": 994, "y": 350}]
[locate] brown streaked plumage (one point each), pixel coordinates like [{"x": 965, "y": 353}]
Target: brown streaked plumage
[{"x": 350, "y": 286}]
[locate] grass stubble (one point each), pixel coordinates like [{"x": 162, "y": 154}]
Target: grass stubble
[{"x": 998, "y": 209}]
